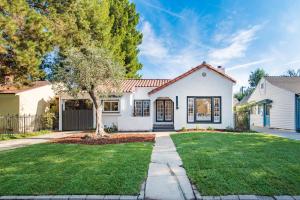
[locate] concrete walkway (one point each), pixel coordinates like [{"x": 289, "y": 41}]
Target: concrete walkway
[
  {"x": 281, "y": 133},
  {"x": 166, "y": 178},
  {"x": 16, "y": 143}
]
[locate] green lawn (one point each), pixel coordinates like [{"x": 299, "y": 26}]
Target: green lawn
[
  {"x": 22, "y": 135},
  {"x": 74, "y": 169},
  {"x": 220, "y": 164}
]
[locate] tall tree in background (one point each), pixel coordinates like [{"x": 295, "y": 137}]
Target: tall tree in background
[
  {"x": 255, "y": 77},
  {"x": 109, "y": 24},
  {"x": 25, "y": 37},
  {"x": 253, "y": 80},
  {"x": 94, "y": 71}
]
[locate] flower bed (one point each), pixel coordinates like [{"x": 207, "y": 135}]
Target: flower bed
[{"x": 111, "y": 139}]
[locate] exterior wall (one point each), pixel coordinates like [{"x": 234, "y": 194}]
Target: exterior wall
[
  {"x": 195, "y": 84},
  {"x": 9, "y": 104},
  {"x": 34, "y": 102},
  {"x": 282, "y": 112},
  {"x": 124, "y": 120}
]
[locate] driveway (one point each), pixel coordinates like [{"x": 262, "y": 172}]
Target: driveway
[
  {"x": 16, "y": 143},
  {"x": 281, "y": 133}
]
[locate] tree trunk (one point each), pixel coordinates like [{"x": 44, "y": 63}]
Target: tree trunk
[{"x": 98, "y": 106}]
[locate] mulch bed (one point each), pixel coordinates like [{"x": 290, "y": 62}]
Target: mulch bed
[{"x": 111, "y": 139}]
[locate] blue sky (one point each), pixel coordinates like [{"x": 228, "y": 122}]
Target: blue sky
[{"x": 240, "y": 35}]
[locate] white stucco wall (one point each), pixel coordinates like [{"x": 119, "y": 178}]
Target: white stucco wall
[
  {"x": 282, "y": 112},
  {"x": 34, "y": 101},
  {"x": 195, "y": 84}
]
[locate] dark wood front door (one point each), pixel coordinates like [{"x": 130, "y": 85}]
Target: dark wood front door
[{"x": 164, "y": 111}]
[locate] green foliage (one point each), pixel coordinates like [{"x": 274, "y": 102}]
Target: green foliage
[
  {"x": 106, "y": 24},
  {"x": 210, "y": 128},
  {"x": 11, "y": 136},
  {"x": 25, "y": 37},
  {"x": 89, "y": 69},
  {"x": 48, "y": 120},
  {"x": 183, "y": 128},
  {"x": 255, "y": 77},
  {"x": 241, "y": 94},
  {"x": 111, "y": 129}
]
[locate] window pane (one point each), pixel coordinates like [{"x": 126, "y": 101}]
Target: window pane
[
  {"x": 138, "y": 108},
  {"x": 217, "y": 109},
  {"x": 146, "y": 108},
  {"x": 111, "y": 106},
  {"x": 168, "y": 110},
  {"x": 114, "y": 106},
  {"x": 203, "y": 109},
  {"x": 106, "y": 106},
  {"x": 190, "y": 109},
  {"x": 160, "y": 110}
]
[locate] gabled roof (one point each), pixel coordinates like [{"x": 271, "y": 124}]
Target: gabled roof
[
  {"x": 10, "y": 89},
  {"x": 291, "y": 84},
  {"x": 130, "y": 84},
  {"x": 190, "y": 72}
]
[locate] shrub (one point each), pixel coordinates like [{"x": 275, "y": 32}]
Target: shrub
[
  {"x": 210, "y": 128},
  {"x": 183, "y": 128},
  {"x": 48, "y": 120}
]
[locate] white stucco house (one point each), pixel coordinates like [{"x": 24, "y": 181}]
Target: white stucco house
[
  {"x": 276, "y": 102},
  {"x": 201, "y": 97}
]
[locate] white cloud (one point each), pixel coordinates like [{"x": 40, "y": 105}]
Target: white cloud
[
  {"x": 163, "y": 10},
  {"x": 249, "y": 64},
  {"x": 236, "y": 47},
  {"x": 152, "y": 46}
]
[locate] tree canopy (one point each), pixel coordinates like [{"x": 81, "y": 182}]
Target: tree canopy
[
  {"x": 255, "y": 77},
  {"x": 31, "y": 30},
  {"x": 25, "y": 37},
  {"x": 292, "y": 73}
]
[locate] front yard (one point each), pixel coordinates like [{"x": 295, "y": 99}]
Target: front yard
[
  {"x": 222, "y": 164},
  {"x": 74, "y": 169}
]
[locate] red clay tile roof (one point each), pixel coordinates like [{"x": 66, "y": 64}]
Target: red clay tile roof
[
  {"x": 10, "y": 89},
  {"x": 130, "y": 84},
  {"x": 190, "y": 72}
]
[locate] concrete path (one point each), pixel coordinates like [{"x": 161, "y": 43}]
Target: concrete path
[
  {"x": 16, "y": 143},
  {"x": 281, "y": 133},
  {"x": 166, "y": 178}
]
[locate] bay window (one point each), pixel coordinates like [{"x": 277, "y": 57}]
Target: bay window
[{"x": 204, "y": 109}]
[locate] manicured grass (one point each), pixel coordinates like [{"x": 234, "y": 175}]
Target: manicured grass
[
  {"x": 22, "y": 135},
  {"x": 227, "y": 163},
  {"x": 74, "y": 169}
]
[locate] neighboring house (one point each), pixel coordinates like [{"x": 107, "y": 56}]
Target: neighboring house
[
  {"x": 29, "y": 100},
  {"x": 202, "y": 97},
  {"x": 276, "y": 103}
]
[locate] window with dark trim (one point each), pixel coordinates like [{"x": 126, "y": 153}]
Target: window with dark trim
[
  {"x": 141, "y": 108},
  {"x": 204, "y": 109}
]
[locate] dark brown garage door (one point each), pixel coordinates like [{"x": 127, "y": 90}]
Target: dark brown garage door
[{"x": 78, "y": 115}]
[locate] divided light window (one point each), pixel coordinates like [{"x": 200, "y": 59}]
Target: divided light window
[
  {"x": 111, "y": 106},
  {"x": 204, "y": 109},
  {"x": 142, "y": 108}
]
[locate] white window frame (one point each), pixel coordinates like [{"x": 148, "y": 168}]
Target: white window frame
[{"x": 111, "y": 101}]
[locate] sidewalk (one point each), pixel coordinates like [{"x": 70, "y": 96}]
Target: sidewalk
[
  {"x": 16, "y": 143},
  {"x": 281, "y": 133},
  {"x": 166, "y": 178}
]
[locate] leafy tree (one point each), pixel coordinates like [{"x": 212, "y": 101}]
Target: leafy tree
[
  {"x": 243, "y": 92},
  {"x": 109, "y": 24},
  {"x": 90, "y": 70},
  {"x": 292, "y": 73},
  {"x": 25, "y": 37},
  {"x": 255, "y": 77}
]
